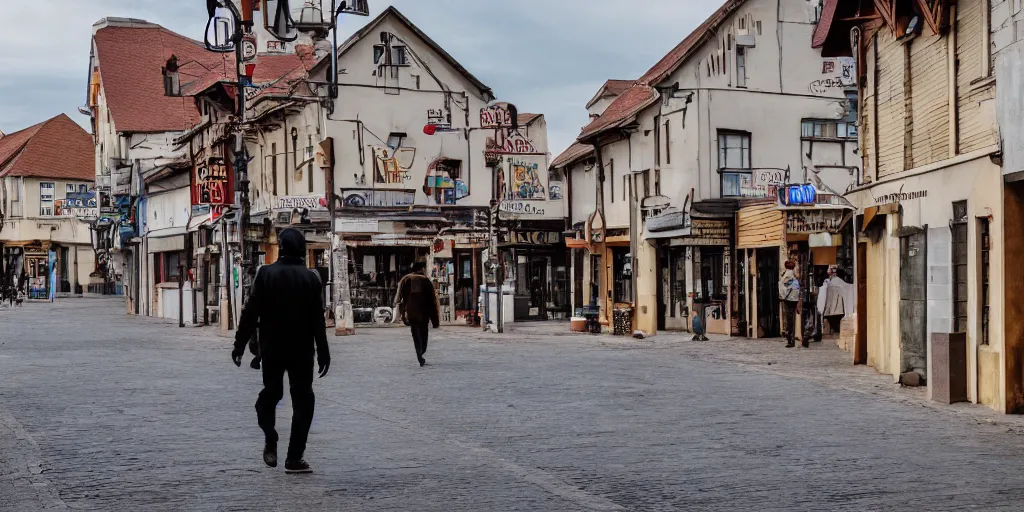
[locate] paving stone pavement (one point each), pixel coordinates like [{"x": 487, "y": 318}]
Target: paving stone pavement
[{"x": 100, "y": 411}]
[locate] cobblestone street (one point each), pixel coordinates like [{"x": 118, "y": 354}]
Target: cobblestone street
[{"x": 100, "y": 411}]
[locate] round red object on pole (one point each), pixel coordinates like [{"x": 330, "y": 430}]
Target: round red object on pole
[{"x": 430, "y": 129}]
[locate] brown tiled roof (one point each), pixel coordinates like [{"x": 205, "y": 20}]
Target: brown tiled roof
[
  {"x": 642, "y": 94},
  {"x": 690, "y": 44},
  {"x": 525, "y": 119},
  {"x": 571, "y": 154},
  {"x": 821, "y": 31},
  {"x": 627, "y": 105},
  {"x": 57, "y": 148},
  {"x": 276, "y": 72},
  {"x": 611, "y": 88},
  {"x": 130, "y": 59}
]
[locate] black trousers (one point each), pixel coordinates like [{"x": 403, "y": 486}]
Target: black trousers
[
  {"x": 420, "y": 333},
  {"x": 789, "y": 308},
  {"x": 300, "y": 386}
]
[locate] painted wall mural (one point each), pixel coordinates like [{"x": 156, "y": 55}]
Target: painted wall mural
[
  {"x": 443, "y": 181},
  {"x": 525, "y": 180},
  {"x": 391, "y": 166},
  {"x": 554, "y": 190}
]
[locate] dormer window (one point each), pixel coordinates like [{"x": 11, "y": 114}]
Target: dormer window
[{"x": 172, "y": 85}]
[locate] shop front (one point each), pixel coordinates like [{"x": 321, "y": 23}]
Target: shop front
[
  {"x": 455, "y": 268},
  {"x": 537, "y": 267},
  {"x": 813, "y": 232},
  {"x": 694, "y": 253}
]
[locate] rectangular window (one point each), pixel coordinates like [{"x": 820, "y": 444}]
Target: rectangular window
[
  {"x": 273, "y": 165},
  {"x": 15, "y": 194},
  {"x": 46, "y": 199},
  {"x": 985, "y": 246},
  {"x": 712, "y": 271},
  {"x": 399, "y": 56},
  {"x": 378, "y": 53},
  {"x": 741, "y": 66},
  {"x": 70, "y": 188},
  {"x": 82, "y": 189},
  {"x": 657, "y": 182},
  {"x": 647, "y": 183},
  {"x": 829, "y": 130},
  {"x": 733, "y": 150}
]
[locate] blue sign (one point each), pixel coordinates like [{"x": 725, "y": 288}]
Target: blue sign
[{"x": 798, "y": 195}]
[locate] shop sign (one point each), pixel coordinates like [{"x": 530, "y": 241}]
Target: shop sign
[
  {"x": 358, "y": 198},
  {"x": 356, "y": 226},
  {"x": 311, "y": 202},
  {"x": 814, "y": 221},
  {"x": 522, "y": 208},
  {"x": 706, "y": 232},
  {"x": 535, "y": 237}
]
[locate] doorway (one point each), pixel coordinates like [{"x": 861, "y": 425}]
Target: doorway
[
  {"x": 768, "y": 321},
  {"x": 913, "y": 301}
]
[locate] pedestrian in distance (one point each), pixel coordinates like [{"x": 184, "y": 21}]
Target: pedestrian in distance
[
  {"x": 417, "y": 302},
  {"x": 287, "y": 306},
  {"x": 789, "y": 294}
]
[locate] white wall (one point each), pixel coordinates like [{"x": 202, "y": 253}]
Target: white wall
[{"x": 377, "y": 101}]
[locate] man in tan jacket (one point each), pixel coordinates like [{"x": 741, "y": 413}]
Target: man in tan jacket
[{"x": 417, "y": 302}]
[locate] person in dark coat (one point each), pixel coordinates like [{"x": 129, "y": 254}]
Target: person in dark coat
[
  {"x": 418, "y": 304},
  {"x": 287, "y": 306}
]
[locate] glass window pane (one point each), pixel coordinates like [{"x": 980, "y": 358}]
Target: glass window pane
[{"x": 807, "y": 129}]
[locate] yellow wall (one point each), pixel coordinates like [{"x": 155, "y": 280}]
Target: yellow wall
[{"x": 647, "y": 287}]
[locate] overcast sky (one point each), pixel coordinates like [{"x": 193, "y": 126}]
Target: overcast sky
[{"x": 545, "y": 56}]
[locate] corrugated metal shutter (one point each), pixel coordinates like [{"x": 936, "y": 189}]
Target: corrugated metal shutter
[
  {"x": 929, "y": 75},
  {"x": 891, "y": 106},
  {"x": 760, "y": 226}
]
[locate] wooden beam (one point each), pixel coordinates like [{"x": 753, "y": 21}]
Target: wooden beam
[{"x": 887, "y": 9}]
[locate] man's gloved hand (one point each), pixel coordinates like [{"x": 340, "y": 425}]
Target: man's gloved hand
[
  {"x": 324, "y": 365},
  {"x": 436, "y": 325},
  {"x": 236, "y": 355}
]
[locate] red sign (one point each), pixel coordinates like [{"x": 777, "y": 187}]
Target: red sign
[{"x": 212, "y": 183}]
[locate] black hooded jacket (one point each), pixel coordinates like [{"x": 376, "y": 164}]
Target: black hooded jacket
[{"x": 287, "y": 304}]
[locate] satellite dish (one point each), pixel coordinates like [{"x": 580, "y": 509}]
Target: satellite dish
[
  {"x": 278, "y": 20},
  {"x": 222, "y": 29}
]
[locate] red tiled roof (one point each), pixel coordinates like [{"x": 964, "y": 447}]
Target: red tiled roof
[
  {"x": 277, "y": 73},
  {"x": 612, "y": 88},
  {"x": 130, "y": 59},
  {"x": 571, "y": 154},
  {"x": 57, "y": 148},
  {"x": 690, "y": 44},
  {"x": 824, "y": 24},
  {"x": 627, "y": 105}
]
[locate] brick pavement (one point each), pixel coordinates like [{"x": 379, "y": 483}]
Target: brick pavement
[{"x": 99, "y": 411}]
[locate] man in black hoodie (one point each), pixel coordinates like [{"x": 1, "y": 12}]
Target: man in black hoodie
[{"x": 286, "y": 304}]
